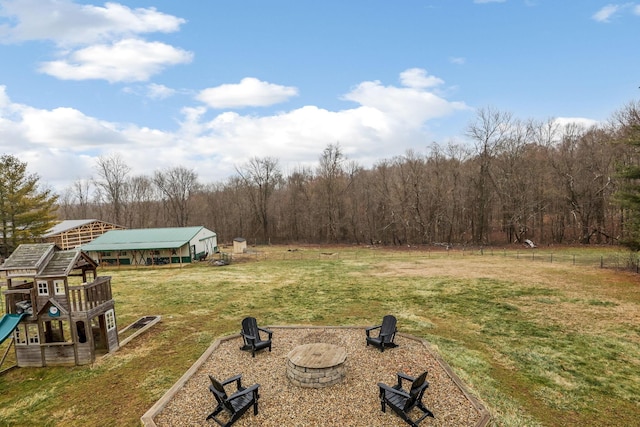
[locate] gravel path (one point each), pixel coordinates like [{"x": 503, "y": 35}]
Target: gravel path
[{"x": 353, "y": 402}]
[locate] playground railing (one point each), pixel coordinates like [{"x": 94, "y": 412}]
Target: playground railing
[{"x": 88, "y": 296}]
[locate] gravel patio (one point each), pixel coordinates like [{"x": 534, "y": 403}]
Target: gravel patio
[{"x": 352, "y": 402}]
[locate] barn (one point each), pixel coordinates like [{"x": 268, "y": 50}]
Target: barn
[
  {"x": 153, "y": 246},
  {"x": 69, "y": 234}
]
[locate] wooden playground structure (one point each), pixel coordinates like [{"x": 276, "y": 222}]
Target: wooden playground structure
[{"x": 57, "y": 310}]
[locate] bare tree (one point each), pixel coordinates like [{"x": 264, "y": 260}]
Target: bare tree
[
  {"x": 177, "y": 185},
  {"x": 383, "y": 219},
  {"x": 413, "y": 170},
  {"x": 75, "y": 200},
  {"x": 112, "y": 182},
  {"x": 261, "y": 177},
  {"x": 298, "y": 204},
  {"x": 441, "y": 193},
  {"x": 332, "y": 182},
  {"x": 519, "y": 179},
  {"x": 513, "y": 182},
  {"x": 82, "y": 189},
  {"x": 355, "y": 202},
  {"x": 144, "y": 204},
  {"x": 489, "y": 131}
]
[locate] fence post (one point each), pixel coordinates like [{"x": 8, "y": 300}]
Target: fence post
[{"x": 601, "y": 261}]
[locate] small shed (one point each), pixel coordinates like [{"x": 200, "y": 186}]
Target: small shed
[
  {"x": 239, "y": 245},
  {"x": 153, "y": 246},
  {"x": 69, "y": 234}
]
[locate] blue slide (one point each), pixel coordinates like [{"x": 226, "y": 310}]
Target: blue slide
[{"x": 8, "y": 324}]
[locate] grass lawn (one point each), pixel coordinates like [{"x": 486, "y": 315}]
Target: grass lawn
[{"x": 540, "y": 343}]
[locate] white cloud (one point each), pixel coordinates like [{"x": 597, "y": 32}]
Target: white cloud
[
  {"x": 457, "y": 60},
  {"x": 157, "y": 91},
  {"x": 604, "y": 14},
  {"x": 578, "y": 121},
  {"x": 67, "y": 23},
  {"x": 609, "y": 11},
  {"x": 127, "y": 60},
  {"x": 94, "y": 42},
  {"x": 5, "y": 102},
  {"x": 67, "y": 128},
  {"x": 409, "y": 105},
  {"x": 61, "y": 144},
  {"x": 488, "y": 1},
  {"x": 249, "y": 92},
  {"x": 417, "y": 78}
]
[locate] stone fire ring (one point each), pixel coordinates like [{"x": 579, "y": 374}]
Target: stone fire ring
[{"x": 316, "y": 365}]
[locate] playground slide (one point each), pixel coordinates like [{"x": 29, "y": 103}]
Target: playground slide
[{"x": 8, "y": 323}]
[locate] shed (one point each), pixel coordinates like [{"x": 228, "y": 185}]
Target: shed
[
  {"x": 69, "y": 234},
  {"x": 153, "y": 246},
  {"x": 239, "y": 245}
]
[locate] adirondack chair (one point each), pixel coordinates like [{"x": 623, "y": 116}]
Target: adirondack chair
[
  {"x": 251, "y": 335},
  {"x": 404, "y": 401},
  {"x": 386, "y": 333},
  {"x": 236, "y": 404}
]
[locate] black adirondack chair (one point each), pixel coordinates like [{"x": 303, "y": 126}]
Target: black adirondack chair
[
  {"x": 404, "y": 401},
  {"x": 386, "y": 333},
  {"x": 234, "y": 405},
  {"x": 251, "y": 335}
]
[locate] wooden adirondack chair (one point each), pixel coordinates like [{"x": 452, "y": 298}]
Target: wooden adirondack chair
[
  {"x": 236, "y": 404},
  {"x": 403, "y": 401},
  {"x": 386, "y": 333},
  {"x": 251, "y": 335}
]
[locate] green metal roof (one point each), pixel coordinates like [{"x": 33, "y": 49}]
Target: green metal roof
[{"x": 143, "y": 239}]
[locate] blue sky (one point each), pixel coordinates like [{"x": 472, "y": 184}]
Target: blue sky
[{"x": 209, "y": 85}]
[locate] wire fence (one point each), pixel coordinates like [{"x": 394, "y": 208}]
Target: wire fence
[{"x": 619, "y": 259}]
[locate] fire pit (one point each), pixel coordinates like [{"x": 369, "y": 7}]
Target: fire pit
[{"x": 316, "y": 365}]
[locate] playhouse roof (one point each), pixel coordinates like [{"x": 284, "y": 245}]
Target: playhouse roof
[
  {"x": 29, "y": 257},
  {"x": 144, "y": 239},
  {"x": 62, "y": 262},
  {"x": 45, "y": 260}
]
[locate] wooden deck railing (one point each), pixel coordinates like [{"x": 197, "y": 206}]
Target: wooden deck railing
[{"x": 91, "y": 295}]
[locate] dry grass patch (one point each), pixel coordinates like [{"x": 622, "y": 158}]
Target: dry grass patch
[{"x": 541, "y": 343}]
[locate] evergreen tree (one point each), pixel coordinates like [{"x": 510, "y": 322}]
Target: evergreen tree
[
  {"x": 628, "y": 194},
  {"x": 26, "y": 210}
]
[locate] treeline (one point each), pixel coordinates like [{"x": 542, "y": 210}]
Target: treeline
[{"x": 519, "y": 179}]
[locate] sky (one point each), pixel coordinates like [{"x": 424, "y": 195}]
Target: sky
[{"x": 210, "y": 85}]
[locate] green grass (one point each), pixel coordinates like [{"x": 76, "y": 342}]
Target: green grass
[{"x": 540, "y": 343}]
